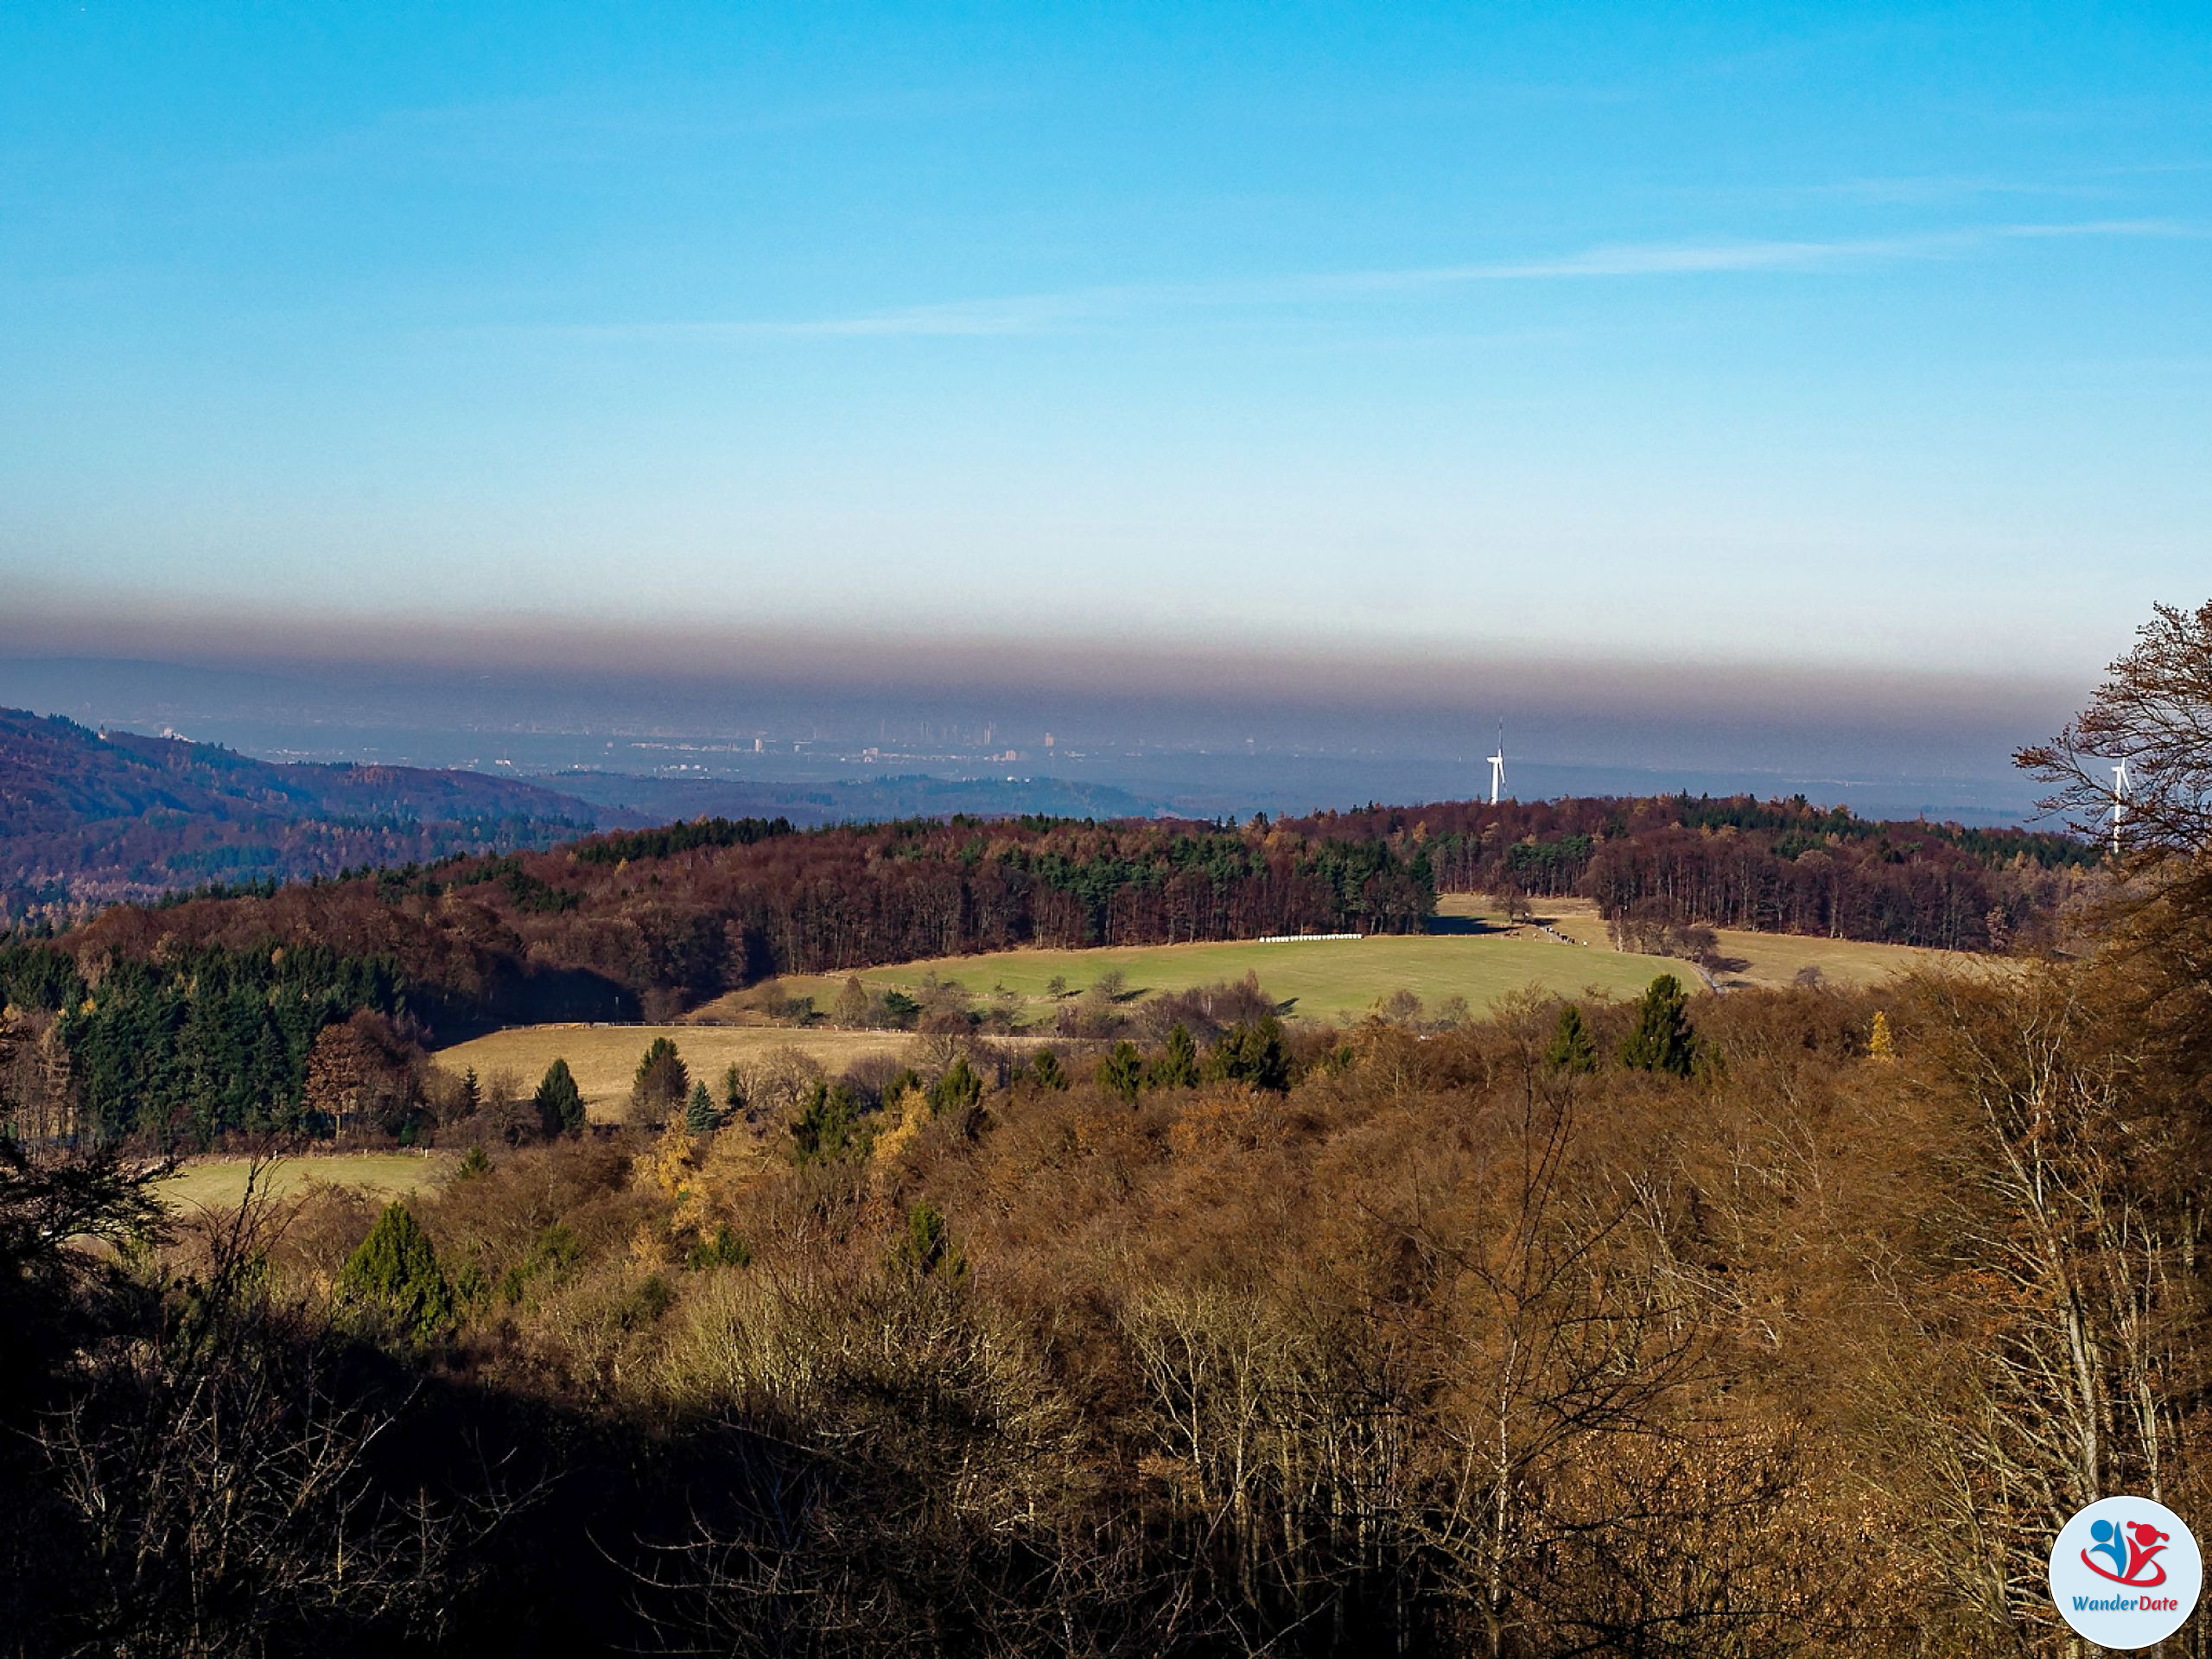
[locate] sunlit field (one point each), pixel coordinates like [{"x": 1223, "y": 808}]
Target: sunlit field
[
  {"x": 1563, "y": 949},
  {"x": 218, "y": 1183},
  {"x": 1319, "y": 979},
  {"x": 1751, "y": 958},
  {"x": 1475, "y": 955},
  {"x": 604, "y": 1059}
]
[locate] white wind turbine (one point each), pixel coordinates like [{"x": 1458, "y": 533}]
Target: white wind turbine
[
  {"x": 1497, "y": 766},
  {"x": 2121, "y": 786}
]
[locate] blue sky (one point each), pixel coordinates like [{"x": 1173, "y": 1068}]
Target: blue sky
[{"x": 1824, "y": 336}]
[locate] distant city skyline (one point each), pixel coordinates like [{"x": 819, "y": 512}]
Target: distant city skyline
[{"x": 1278, "y": 349}]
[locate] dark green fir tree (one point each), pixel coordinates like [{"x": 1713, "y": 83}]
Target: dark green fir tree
[
  {"x": 1122, "y": 1072},
  {"x": 699, "y": 1110},
  {"x": 560, "y": 1102},
  {"x": 1662, "y": 1040},
  {"x": 1572, "y": 1049},
  {"x": 1177, "y": 1066}
]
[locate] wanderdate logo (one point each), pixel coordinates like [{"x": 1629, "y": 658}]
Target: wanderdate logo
[{"x": 2126, "y": 1571}]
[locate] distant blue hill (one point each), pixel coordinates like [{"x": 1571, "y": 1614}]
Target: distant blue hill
[{"x": 91, "y": 818}]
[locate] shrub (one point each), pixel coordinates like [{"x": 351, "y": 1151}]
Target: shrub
[{"x": 395, "y": 1278}]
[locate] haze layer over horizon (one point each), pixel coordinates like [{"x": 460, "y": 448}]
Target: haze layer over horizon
[{"x": 1286, "y": 730}]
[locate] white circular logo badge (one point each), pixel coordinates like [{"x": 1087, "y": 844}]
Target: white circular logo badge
[{"x": 2126, "y": 1571}]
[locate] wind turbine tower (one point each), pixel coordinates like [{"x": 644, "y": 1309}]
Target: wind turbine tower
[
  {"x": 1497, "y": 766},
  {"x": 2120, "y": 787}
]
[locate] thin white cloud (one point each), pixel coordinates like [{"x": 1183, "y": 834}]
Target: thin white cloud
[{"x": 1033, "y": 313}]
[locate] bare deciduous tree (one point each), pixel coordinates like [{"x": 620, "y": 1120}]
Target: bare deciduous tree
[{"x": 2153, "y": 712}]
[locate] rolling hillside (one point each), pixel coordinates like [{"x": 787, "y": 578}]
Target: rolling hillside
[
  {"x": 89, "y": 817},
  {"x": 1318, "y": 980}
]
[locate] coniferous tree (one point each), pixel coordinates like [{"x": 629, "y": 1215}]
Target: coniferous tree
[
  {"x": 724, "y": 1249},
  {"x": 699, "y": 1110},
  {"x": 928, "y": 1246},
  {"x": 958, "y": 1088},
  {"x": 1122, "y": 1072},
  {"x": 1177, "y": 1066},
  {"x": 394, "y": 1276},
  {"x": 1572, "y": 1049},
  {"x": 560, "y": 1102},
  {"x": 662, "y": 1083},
  {"x": 472, "y": 1093},
  {"x": 1662, "y": 1040},
  {"x": 1253, "y": 1053},
  {"x": 1048, "y": 1070},
  {"x": 733, "y": 1093},
  {"x": 828, "y": 1126}
]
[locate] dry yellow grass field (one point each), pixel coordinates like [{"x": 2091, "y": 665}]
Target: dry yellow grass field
[
  {"x": 1757, "y": 958},
  {"x": 604, "y": 1059},
  {"x": 218, "y": 1183}
]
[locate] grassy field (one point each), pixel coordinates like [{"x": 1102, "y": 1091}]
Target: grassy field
[
  {"x": 1321, "y": 979},
  {"x": 604, "y": 1059},
  {"x": 1478, "y": 957},
  {"x": 1340, "y": 979},
  {"x": 219, "y": 1183},
  {"x": 1763, "y": 958}
]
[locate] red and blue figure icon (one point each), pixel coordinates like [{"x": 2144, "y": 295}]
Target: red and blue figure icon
[
  {"x": 2132, "y": 1547},
  {"x": 2125, "y": 1572}
]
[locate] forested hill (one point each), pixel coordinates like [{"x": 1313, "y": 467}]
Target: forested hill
[
  {"x": 185, "y": 1021},
  {"x": 205, "y": 1014},
  {"x": 89, "y": 818},
  {"x": 657, "y": 920},
  {"x": 1782, "y": 866}
]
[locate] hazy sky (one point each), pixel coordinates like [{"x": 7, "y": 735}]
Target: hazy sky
[{"x": 1809, "y": 336}]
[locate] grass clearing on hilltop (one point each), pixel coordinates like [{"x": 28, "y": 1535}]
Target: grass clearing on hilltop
[
  {"x": 1321, "y": 979},
  {"x": 1473, "y": 952},
  {"x": 1751, "y": 959}
]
